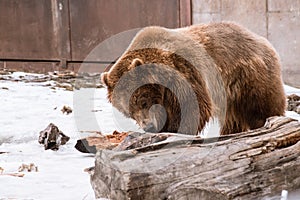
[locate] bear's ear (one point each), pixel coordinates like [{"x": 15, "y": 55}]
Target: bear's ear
[
  {"x": 104, "y": 78},
  {"x": 136, "y": 62}
]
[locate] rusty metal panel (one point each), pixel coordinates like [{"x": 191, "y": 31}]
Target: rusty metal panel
[
  {"x": 34, "y": 29},
  {"x": 93, "y": 21},
  {"x": 185, "y": 13}
]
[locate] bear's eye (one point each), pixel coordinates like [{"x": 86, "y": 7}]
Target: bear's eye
[{"x": 143, "y": 104}]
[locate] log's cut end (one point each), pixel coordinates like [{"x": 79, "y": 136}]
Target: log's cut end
[{"x": 250, "y": 165}]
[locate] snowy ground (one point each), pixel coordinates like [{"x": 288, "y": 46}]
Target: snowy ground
[{"x": 26, "y": 109}]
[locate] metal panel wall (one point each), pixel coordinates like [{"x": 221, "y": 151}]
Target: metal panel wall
[
  {"x": 34, "y": 29},
  {"x": 96, "y": 20},
  {"x": 65, "y": 31}
]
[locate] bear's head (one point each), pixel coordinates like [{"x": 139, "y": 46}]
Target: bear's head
[
  {"x": 133, "y": 88},
  {"x": 147, "y": 107}
]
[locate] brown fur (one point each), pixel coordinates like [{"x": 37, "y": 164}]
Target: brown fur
[{"x": 233, "y": 74}]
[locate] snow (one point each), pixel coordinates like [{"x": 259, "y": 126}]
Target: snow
[{"x": 28, "y": 108}]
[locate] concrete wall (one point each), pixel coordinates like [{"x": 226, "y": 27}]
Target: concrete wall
[{"x": 277, "y": 20}]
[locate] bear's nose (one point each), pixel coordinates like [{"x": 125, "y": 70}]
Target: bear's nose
[{"x": 150, "y": 128}]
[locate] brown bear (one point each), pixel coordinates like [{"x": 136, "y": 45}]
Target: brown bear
[{"x": 176, "y": 80}]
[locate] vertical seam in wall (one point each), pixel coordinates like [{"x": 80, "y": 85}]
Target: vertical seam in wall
[
  {"x": 191, "y": 12},
  {"x": 267, "y": 19},
  {"x": 221, "y": 15},
  {"x": 69, "y": 29},
  {"x": 180, "y": 13}
]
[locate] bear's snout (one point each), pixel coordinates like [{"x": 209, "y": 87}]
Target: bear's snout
[{"x": 150, "y": 128}]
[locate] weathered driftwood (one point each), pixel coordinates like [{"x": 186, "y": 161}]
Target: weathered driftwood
[{"x": 252, "y": 165}]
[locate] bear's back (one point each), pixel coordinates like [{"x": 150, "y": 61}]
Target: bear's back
[{"x": 250, "y": 68}]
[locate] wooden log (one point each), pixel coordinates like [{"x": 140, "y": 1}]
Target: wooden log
[{"x": 257, "y": 164}]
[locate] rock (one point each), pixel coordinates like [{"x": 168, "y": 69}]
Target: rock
[
  {"x": 66, "y": 109},
  {"x": 29, "y": 168},
  {"x": 66, "y": 74},
  {"x": 5, "y": 72},
  {"x": 293, "y": 103},
  {"x": 52, "y": 137},
  {"x": 293, "y": 97},
  {"x": 83, "y": 146},
  {"x": 66, "y": 86},
  {"x": 298, "y": 110}
]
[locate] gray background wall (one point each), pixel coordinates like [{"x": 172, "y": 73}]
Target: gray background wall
[{"x": 277, "y": 20}]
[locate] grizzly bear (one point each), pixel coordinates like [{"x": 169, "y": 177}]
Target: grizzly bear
[{"x": 176, "y": 80}]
